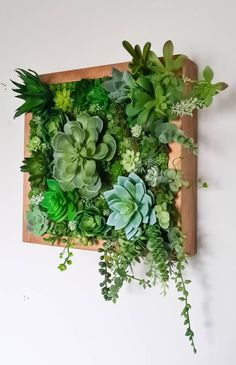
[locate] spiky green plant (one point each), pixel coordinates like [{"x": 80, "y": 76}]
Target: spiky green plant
[
  {"x": 131, "y": 205},
  {"x": 37, "y": 95},
  {"x": 76, "y": 152},
  {"x": 38, "y": 168}
]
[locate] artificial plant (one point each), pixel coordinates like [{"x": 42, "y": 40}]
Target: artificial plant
[{"x": 99, "y": 166}]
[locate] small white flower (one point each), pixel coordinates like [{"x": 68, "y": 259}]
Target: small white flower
[
  {"x": 136, "y": 131},
  {"x": 152, "y": 176},
  {"x": 130, "y": 160},
  {"x": 36, "y": 199},
  {"x": 72, "y": 225}
]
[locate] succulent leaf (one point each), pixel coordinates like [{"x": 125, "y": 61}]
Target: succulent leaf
[
  {"x": 37, "y": 95},
  {"x": 76, "y": 151},
  {"x": 131, "y": 205}
]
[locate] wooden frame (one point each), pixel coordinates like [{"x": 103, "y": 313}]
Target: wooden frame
[{"x": 186, "y": 201}]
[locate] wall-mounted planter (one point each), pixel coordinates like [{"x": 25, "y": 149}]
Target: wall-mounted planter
[{"x": 186, "y": 201}]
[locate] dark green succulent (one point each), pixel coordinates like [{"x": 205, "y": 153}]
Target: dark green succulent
[
  {"x": 38, "y": 168},
  {"x": 76, "y": 152},
  {"x": 131, "y": 205},
  {"x": 140, "y": 58},
  {"x": 37, "y": 95},
  {"x": 59, "y": 205},
  {"x": 90, "y": 222},
  {"x": 37, "y": 221}
]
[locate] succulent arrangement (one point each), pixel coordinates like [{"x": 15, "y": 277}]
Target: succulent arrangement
[{"x": 99, "y": 169}]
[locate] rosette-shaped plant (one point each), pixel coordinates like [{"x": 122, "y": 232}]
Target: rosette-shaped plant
[
  {"x": 36, "y": 94},
  {"x": 37, "y": 221},
  {"x": 131, "y": 204},
  {"x": 59, "y": 205},
  {"x": 90, "y": 222},
  {"x": 76, "y": 152},
  {"x": 37, "y": 167}
]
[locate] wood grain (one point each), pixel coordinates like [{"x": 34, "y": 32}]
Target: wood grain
[{"x": 186, "y": 201}]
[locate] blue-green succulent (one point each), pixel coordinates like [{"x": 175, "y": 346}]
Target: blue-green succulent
[
  {"x": 37, "y": 221},
  {"x": 131, "y": 205},
  {"x": 76, "y": 152}
]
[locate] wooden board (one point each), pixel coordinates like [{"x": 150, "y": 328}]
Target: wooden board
[{"x": 186, "y": 200}]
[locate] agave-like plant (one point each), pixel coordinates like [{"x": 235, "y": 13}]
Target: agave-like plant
[
  {"x": 76, "y": 152},
  {"x": 37, "y": 95},
  {"x": 131, "y": 205},
  {"x": 38, "y": 168}
]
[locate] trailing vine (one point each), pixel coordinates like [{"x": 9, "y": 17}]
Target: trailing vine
[{"x": 99, "y": 169}]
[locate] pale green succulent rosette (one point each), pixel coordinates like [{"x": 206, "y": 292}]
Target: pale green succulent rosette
[
  {"x": 37, "y": 221},
  {"x": 76, "y": 152},
  {"x": 131, "y": 205}
]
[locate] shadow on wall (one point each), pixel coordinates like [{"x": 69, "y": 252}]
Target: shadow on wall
[{"x": 199, "y": 265}]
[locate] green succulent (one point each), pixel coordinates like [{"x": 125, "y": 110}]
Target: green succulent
[
  {"x": 131, "y": 205},
  {"x": 174, "y": 179},
  {"x": 55, "y": 123},
  {"x": 34, "y": 144},
  {"x": 204, "y": 90},
  {"x": 168, "y": 132},
  {"x": 163, "y": 215},
  {"x": 59, "y": 205},
  {"x": 140, "y": 62},
  {"x": 168, "y": 64},
  {"x": 38, "y": 168},
  {"x": 76, "y": 152},
  {"x": 37, "y": 221},
  {"x": 119, "y": 85},
  {"x": 36, "y": 94},
  {"x": 62, "y": 99},
  {"x": 97, "y": 95},
  {"x": 90, "y": 222},
  {"x": 115, "y": 170}
]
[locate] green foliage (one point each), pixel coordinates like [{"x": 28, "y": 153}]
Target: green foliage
[
  {"x": 62, "y": 99},
  {"x": 59, "y": 205},
  {"x": 88, "y": 135},
  {"x": 131, "y": 205},
  {"x": 90, "y": 222},
  {"x": 36, "y": 94},
  {"x": 116, "y": 169},
  {"x": 158, "y": 257},
  {"x": 76, "y": 152},
  {"x": 118, "y": 87},
  {"x": 140, "y": 59},
  {"x": 163, "y": 215},
  {"x": 180, "y": 284},
  {"x": 66, "y": 254},
  {"x": 37, "y": 221},
  {"x": 204, "y": 89},
  {"x": 97, "y": 95},
  {"x": 55, "y": 123},
  {"x": 149, "y": 147},
  {"x": 37, "y": 167},
  {"x": 115, "y": 264},
  {"x": 167, "y": 133},
  {"x": 169, "y": 64},
  {"x": 174, "y": 179}
]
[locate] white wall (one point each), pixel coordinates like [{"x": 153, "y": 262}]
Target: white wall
[{"x": 49, "y": 317}]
